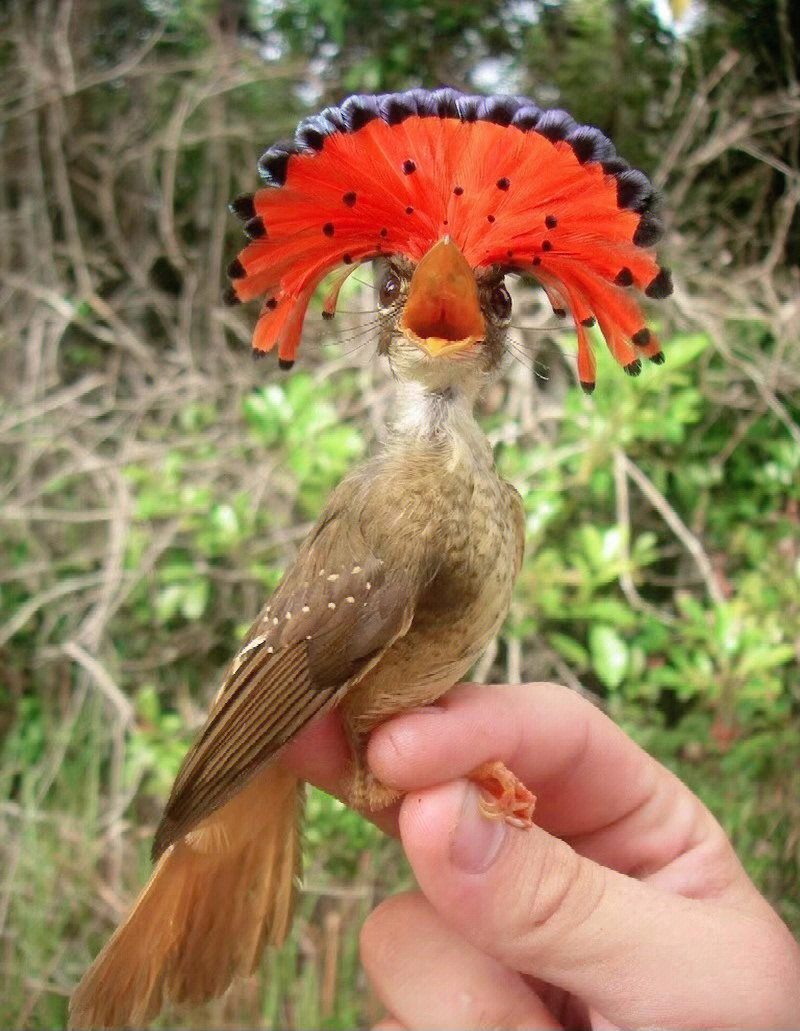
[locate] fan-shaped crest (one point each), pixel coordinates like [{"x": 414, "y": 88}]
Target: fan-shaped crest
[{"x": 512, "y": 185}]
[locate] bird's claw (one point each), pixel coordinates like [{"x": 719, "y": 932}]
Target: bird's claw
[{"x": 504, "y": 795}]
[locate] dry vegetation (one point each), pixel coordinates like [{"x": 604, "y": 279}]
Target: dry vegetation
[{"x": 143, "y": 514}]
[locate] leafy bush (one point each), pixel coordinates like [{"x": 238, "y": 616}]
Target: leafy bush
[
  {"x": 672, "y": 589},
  {"x": 155, "y": 483}
]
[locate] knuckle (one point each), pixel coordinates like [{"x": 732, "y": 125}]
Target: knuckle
[{"x": 564, "y": 893}]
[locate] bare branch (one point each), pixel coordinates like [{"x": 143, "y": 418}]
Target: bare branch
[
  {"x": 102, "y": 680},
  {"x": 676, "y": 524}
]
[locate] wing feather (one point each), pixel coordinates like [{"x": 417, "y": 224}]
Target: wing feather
[
  {"x": 240, "y": 739},
  {"x": 330, "y": 620}
]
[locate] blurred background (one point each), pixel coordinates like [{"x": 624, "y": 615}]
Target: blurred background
[{"x": 155, "y": 481}]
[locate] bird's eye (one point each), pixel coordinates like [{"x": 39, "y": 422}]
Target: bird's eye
[
  {"x": 500, "y": 300},
  {"x": 389, "y": 290}
]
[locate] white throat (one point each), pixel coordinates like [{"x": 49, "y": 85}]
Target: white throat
[{"x": 444, "y": 418}]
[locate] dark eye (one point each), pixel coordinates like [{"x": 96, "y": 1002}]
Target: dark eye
[
  {"x": 500, "y": 300},
  {"x": 389, "y": 290}
]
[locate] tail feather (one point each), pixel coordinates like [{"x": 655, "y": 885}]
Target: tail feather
[{"x": 214, "y": 899}]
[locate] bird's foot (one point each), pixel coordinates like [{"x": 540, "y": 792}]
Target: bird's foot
[
  {"x": 504, "y": 795},
  {"x": 367, "y": 793}
]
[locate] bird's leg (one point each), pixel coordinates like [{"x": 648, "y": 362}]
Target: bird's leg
[
  {"x": 365, "y": 791},
  {"x": 505, "y": 797}
]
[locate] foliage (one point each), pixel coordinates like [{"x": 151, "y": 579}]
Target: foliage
[
  {"x": 707, "y": 679},
  {"x": 156, "y": 482},
  {"x": 640, "y": 61},
  {"x": 767, "y": 30},
  {"x": 411, "y": 42}
]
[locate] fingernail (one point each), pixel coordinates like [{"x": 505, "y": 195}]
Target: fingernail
[{"x": 476, "y": 839}]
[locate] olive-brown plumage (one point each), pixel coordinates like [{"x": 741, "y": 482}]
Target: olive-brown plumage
[{"x": 406, "y": 576}]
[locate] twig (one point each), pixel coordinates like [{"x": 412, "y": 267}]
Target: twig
[
  {"x": 29, "y": 609},
  {"x": 677, "y": 525},
  {"x": 330, "y": 961},
  {"x": 513, "y": 659},
  {"x": 103, "y": 680},
  {"x": 485, "y": 662},
  {"x": 624, "y": 521},
  {"x": 698, "y": 103},
  {"x": 568, "y": 677}
]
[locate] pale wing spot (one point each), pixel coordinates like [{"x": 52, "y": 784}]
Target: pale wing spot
[
  {"x": 368, "y": 585},
  {"x": 350, "y": 599},
  {"x": 331, "y": 604},
  {"x": 306, "y": 608},
  {"x": 274, "y": 620},
  {"x": 321, "y": 572},
  {"x": 270, "y": 650},
  {"x": 308, "y": 637},
  {"x": 255, "y": 643},
  {"x": 333, "y": 576},
  {"x": 356, "y": 569},
  {"x": 288, "y": 615}
]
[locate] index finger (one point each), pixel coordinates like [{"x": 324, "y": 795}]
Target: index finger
[{"x": 595, "y": 787}]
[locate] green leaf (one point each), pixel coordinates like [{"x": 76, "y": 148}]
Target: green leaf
[
  {"x": 609, "y": 654},
  {"x": 684, "y": 348},
  {"x": 225, "y": 520},
  {"x": 570, "y": 649},
  {"x": 195, "y": 599},
  {"x": 168, "y": 601}
]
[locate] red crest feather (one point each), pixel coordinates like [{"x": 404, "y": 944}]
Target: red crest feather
[{"x": 528, "y": 190}]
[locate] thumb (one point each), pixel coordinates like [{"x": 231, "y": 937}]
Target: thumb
[{"x": 635, "y": 954}]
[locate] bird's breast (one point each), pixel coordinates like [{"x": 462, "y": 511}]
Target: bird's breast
[
  {"x": 474, "y": 542},
  {"x": 470, "y": 592}
]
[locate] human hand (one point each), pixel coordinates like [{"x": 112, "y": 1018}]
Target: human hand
[{"x": 625, "y": 906}]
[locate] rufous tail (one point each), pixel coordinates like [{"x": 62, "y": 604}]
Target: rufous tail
[{"x": 215, "y": 898}]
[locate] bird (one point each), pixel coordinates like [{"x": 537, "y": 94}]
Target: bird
[{"x": 408, "y": 573}]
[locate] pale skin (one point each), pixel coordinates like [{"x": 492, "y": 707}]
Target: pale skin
[{"x": 625, "y": 906}]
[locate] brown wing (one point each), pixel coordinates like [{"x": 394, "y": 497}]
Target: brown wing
[{"x": 334, "y": 614}]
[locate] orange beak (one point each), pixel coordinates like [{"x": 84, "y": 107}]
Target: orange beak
[{"x": 442, "y": 314}]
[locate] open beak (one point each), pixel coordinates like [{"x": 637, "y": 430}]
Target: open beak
[{"x": 442, "y": 314}]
